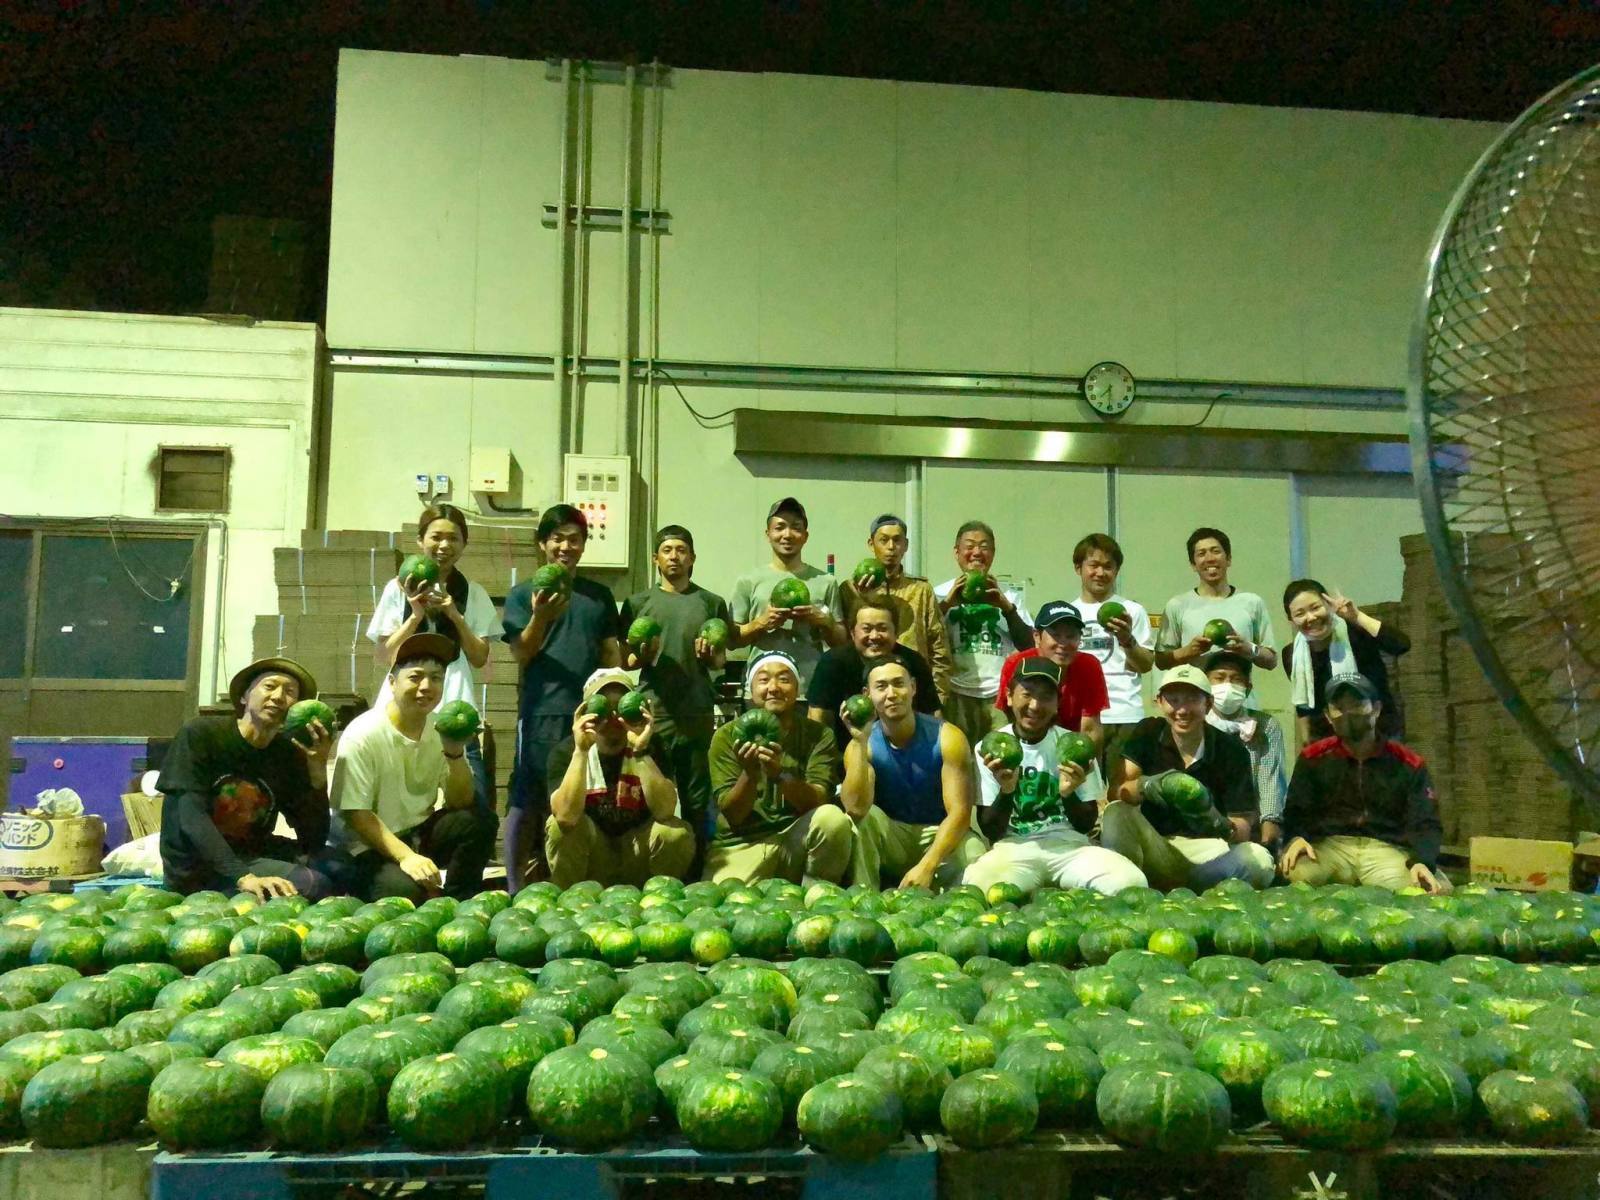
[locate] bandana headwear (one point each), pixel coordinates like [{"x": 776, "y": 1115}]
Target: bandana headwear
[{"x": 767, "y": 658}]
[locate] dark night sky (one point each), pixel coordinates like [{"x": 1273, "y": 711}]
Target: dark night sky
[{"x": 122, "y": 136}]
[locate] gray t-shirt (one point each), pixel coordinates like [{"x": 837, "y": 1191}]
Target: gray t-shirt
[
  {"x": 1186, "y": 614},
  {"x": 752, "y": 595},
  {"x": 678, "y": 682}
]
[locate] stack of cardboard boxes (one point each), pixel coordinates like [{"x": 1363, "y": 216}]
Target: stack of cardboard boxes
[
  {"x": 328, "y": 587},
  {"x": 1491, "y": 779},
  {"x": 496, "y": 557}
]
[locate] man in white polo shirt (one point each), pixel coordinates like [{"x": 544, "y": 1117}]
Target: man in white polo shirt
[{"x": 392, "y": 766}]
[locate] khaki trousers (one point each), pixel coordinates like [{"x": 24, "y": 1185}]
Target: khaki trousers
[
  {"x": 817, "y": 845},
  {"x": 583, "y": 852},
  {"x": 885, "y": 845},
  {"x": 973, "y": 715},
  {"x": 1354, "y": 860},
  {"x": 1180, "y": 861}
]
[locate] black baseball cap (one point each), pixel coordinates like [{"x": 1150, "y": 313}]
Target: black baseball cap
[
  {"x": 1058, "y": 610},
  {"x": 789, "y": 505},
  {"x": 1038, "y": 667},
  {"x": 1359, "y": 684}
]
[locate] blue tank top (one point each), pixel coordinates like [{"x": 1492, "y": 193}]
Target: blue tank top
[{"x": 910, "y": 785}]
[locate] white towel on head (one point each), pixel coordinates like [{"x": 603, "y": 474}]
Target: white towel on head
[{"x": 1341, "y": 661}]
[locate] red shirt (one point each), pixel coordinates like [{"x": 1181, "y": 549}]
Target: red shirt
[{"x": 1083, "y": 688}]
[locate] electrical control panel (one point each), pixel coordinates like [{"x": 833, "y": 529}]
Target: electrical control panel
[{"x": 600, "y": 487}]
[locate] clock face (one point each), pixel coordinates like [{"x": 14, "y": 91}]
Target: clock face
[{"x": 1108, "y": 387}]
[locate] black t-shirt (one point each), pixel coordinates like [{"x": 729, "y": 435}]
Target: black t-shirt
[
  {"x": 1223, "y": 766},
  {"x": 619, "y": 805},
  {"x": 222, "y": 799},
  {"x": 1368, "y": 651},
  {"x": 552, "y": 682},
  {"x": 842, "y": 672}
]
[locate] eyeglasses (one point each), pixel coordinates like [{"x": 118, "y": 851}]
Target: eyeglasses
[{"x": 1363, "y": 709}]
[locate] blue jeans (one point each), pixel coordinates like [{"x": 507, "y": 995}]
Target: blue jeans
[{"x": 482, "y": 785}]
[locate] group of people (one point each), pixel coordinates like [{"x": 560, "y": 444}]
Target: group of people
[{"x": 905, "y": 787}]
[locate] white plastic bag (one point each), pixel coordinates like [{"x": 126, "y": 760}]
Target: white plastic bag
[
  {"x": 142, "y": 856},
  {"x": 58, "y": 802}
]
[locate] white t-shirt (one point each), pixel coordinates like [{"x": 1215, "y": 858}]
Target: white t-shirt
[
  {"x": 1037, "y": 809},
  {"x": 1122, "y": 682},
  {"x": 381, "y": 770},
  {"x": 460, "y": 681},
  {"x": 980, "y": 650}
]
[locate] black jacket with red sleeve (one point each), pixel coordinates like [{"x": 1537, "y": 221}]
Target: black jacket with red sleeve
[{"x": 1388, "y": 796}]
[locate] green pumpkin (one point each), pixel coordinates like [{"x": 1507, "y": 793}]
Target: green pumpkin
[
  {"x": 1532, "y": 1111},
  {"x": 1433, "y": 1092},
  {"x": 790, "y": 592},
  {"x": 1001, "y": 746},
  {"x": 457, "y": 720},
  {"x": 297, "y": 721},
  {"x": 1064, "y": 1076},
  {"x": 853, "y": 1117},
  {"x": 858, "y": 710},
  {"x": 448, "y": 1101},
  {"x": 314, "y": 1108},
  {"x": 870, "y": 576},
  {"x": 1176, "y": 1110},
  {"x": 729, "y": 1110},
  {"x": 589, "y": 1098},
  {"x": 1241, "y": 1060},
  {"x": 1331, "y": 1105},
  {"x": 715, "y": 633},
  {"x": 987, "y": 1108},
  {"x": 324, "y": 1026},
  {"x": 464, "y": 941},
  {"x": 551, "y": 579},
  {"x": 85, "y": 1100},
  {"x": 269, "y": 1053},
  {"x": 643, "y": 630},
  {"x": 381, "y": 1053},
  {"x": 417, "y": 571},
  {"x": 204, "y": 1104}
]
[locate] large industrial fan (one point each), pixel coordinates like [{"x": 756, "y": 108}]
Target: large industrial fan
[{"x": 1505, "y": 422}]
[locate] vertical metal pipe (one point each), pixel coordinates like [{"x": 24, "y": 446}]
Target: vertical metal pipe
[
  {"x": 1297, "y": 529},
  {"x": 625, "y": 419},
  {"x": 558, "y": 376},
  {"x": 580, "y": 270},
  {"x": 654, "y": 350}
]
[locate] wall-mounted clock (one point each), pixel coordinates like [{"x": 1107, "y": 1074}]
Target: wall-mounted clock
[{"x": 1109, "y": 388}]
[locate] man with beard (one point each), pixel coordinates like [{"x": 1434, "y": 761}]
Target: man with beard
[
  {"x": 917, "y": 614},
  {"x": 982, "y": 635},
  {"x": 908, "y": 787},
  {"x": 842, "y": 671},
  {"x": 802, "y": 632},
  {"x": 1183, "y": 796},
  {"x": 1037, "y": 816},
  {"x": 1361, "y": 809},
  {"x": 559, "y": 637},
  {"x": 775, "y": 813},
  {"x": 226, "y": 780},
  {"x": 675, "y": 670}
]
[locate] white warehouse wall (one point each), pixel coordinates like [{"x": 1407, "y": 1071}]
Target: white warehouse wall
[
  {"x": 823, "y": 222},
  {"x": 86, "y": 398}
]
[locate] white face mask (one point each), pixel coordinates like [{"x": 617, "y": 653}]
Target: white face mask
[{"x": 1228, "y": 698}]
